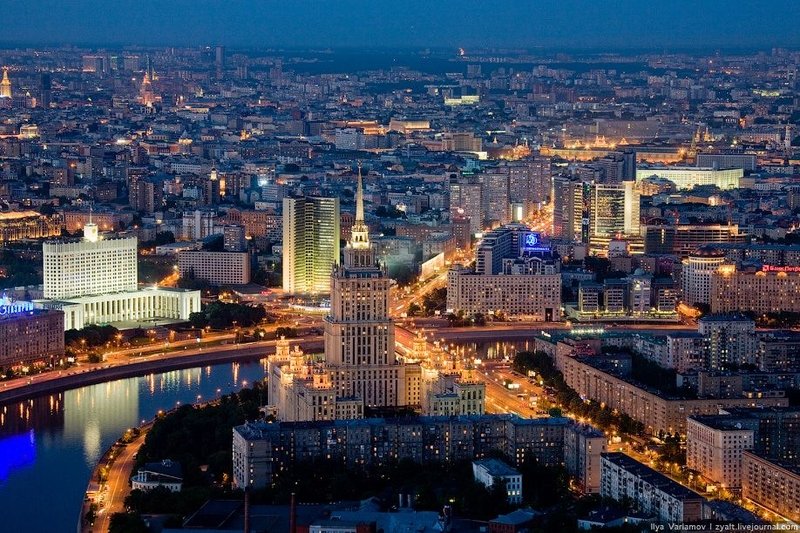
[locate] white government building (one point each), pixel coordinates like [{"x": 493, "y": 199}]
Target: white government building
[{"x": 94, "y": 281}]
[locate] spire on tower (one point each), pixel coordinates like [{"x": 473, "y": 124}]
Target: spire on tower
[
  {"x": 360, "y": 231},
  {"x": 359, "y": 197}
]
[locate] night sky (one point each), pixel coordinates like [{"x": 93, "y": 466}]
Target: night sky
[{"x": 566, "y": 24}]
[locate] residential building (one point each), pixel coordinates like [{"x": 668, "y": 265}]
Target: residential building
[
  {"x": 730, "y": 341},
  {"x": 30, "y": 336},
  {"x": 218, "y": 268},
  {"x": 625, "y": 479},
  {"x": 769, "y": 289},
  {"x": 714, "y": 447},
  {"x": 771, "y": 484},
  {"x": 583, "y": 447},
  {"x": 489, "y": 472},
  {"x": 262, "y": 451}
]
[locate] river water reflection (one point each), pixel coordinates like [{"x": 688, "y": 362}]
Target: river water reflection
[{"x": 50, "y": 445}]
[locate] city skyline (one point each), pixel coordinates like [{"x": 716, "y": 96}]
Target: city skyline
[
  {"x": 461, "y": 258},
  {"x": 571, "y": 25}
]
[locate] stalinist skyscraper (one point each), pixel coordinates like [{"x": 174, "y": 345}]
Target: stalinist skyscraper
[
  {"x": 360, "y": 370},
  {"x": 5, "y": 85},
  {"x": 359, "y": 333}
]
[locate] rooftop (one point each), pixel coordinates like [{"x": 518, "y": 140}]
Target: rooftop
[
  {"x": 654, "y": 478},
  {"x": 496, "y": 467}
]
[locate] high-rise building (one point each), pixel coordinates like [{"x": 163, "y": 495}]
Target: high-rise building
[
  {"x": 90, "y": 266},
  {"x": 5, "y": 85},
  {"x": 514, "y": 274},
  {"x": 570, "y": 209},
  {"x": 360, "y": 369},
  {"x": 218, "y": 268},
  {"x": 234, "y": 238},
  {"x": 730, "y": 341},
  {"x": 683, "y": 239},
  {"x": 45, "y": 90},
  {"x": 495, "y": 199},
  {"x": 219, "y": 61},
  {"x": 359, "y": 333},
  {"x": 696, "y": 274},
  {"x": 614, "y": 210},
  {"x": 310, "y": 244},
  {"x": 144, "y": 195},
  {"x": 213, "y": 188},
  {"x": 466, "y": 200},
  {"x": 769, "y": 289}
]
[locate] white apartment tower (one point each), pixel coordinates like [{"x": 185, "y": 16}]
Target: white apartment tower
[{"x": 91, "y": 266}]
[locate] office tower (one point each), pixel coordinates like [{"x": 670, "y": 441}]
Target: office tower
[
  {"x": 310, "y": 244},
  {"x": 570, "y": 209},
  {"x": 607, "y": 210},
  {"x": 359, "y": 333},
  {"x": 93, "y": 281},
  {"x": 540, "y": 178},
  {"x": 5, "y": 85},
  {"x": 614, "y": 210},
  {"x": 45, "y": 90},
  {"x": 219, "y": 61},
  {"x": 629, "y": 165},
  {"x": 91, "y": 266}
]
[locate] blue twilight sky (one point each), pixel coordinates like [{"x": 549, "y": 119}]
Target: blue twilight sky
[{"x": 566, "y": 24}]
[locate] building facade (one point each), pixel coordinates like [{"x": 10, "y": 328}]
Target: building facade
[
  {"x": 714, "y": 447},
  {"x": 771, "y": 484},
  {"x": 686, "y": 178},
  {"x": 94, "y": 281},
  {"x": 625, "y": 479},
  {"x": 310, "y": 244},
  {"x": 30, "y": 336},
  {"x": 696, "y": 274},
  {"x": 90, "y": 266},
  {"x": 218, "y": 268},
  {"x": 262, "y": 451},
  {"x": 488, "y": 472},
  {"x": 770, "y": 289}
]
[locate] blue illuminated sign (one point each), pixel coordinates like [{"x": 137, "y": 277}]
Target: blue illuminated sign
[
  {"x": 531, "y": 242},
  {"x": 9, "y": 308}
]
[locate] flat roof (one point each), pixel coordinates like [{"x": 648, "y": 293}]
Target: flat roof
[{"x": 496, "y": 467}]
